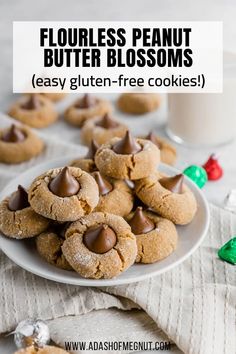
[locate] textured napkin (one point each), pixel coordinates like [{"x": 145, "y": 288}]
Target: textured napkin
[{"x": 194, "y": 305}]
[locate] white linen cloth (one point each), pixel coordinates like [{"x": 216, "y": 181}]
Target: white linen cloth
[{"x": 194, "y": 305}]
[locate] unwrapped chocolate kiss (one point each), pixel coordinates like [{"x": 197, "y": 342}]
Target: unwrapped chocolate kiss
[
  {"x": 19, "y": 200},
  {"x": 173, "y": 184},
  {"x": 127, "y": 145},
  {"x": 64, "y": 184},
  {"x": 140, "y": 223},
  {"x": 100, "y": 239}
]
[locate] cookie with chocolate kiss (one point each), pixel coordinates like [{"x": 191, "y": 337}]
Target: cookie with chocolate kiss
[
  {"x": 168, "y": 196},
  {"x": 167, "y": 150},
  {"x": 17, "y": 218},
  {"x": 138, "y": 103},
  {"x": 34, "y": 110},
  {"x": 64, "y": 194},
  {"x": 85, "y": 108},
  {"x": 111, "y": 193},
  {"x": 19, "y": 144},
  {"x": 127, "y": 158},
  {"x": 87, "y": 162},
  {"x": 156, "y": 237},
  {"x": 100, "y": 245},
  {"x": 102, "y": 129}
]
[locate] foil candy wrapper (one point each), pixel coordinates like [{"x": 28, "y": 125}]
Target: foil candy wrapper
[
  {"x": 230, "y": 201},
  {"x": 31, "y": 332}
]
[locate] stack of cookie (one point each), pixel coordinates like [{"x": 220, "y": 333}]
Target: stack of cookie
[{"x": 103, "y": 213}]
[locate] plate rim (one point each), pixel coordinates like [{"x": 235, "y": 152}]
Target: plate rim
[{"x": 114, "y": 281}]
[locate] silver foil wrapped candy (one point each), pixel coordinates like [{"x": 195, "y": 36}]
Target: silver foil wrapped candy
[
  {"x": 31, "y": 332},
  {"x": 230, "y": 201}
]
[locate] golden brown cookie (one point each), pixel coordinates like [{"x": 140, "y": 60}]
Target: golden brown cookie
[
  {"x": 167, "y": 151},
  {"x": 49, "y": 245},
  {"x": 168, "y": 196},
  {"x": 45, "y": 350},
  {"x": 54, "y": 97},
  {"x": 34, "y": 110},
  {"x": 85, "y": 108},
  {"x": 18, "y": 144},
  {"x": 64, "y": 194},
  {"x": 87, "y": 162},
  {"x": 17, "y": 218},
  {"x": 100, "y": 245},
  {"x": 138, "y": 103},
  {"x": 156, "y": 237},
  {"x": 114, "y": 195},
  {"x": 127, "y": 158},
  {"x": 102, "y": 129}
]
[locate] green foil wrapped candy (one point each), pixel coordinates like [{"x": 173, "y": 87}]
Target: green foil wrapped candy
[
  {"x": 228, "y": 251},
  {"x": 197, "y": 174}
]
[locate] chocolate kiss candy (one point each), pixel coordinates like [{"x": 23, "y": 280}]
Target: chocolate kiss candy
[
  {"x": 100, "y": 239},
  {"x": 213, "y": 169},
  {"x": 31, "y": 332},
  {"x": 13, "y": 135},
  {"x": 86, "y": 102},
  {"x": 140, "y": 223},
  {"x": 19, "y": 200},
  {"x": 64, "y": 184},
  {"x": 228, "y": 251},
  {"x": 103, "y": 185},
  {"x": 152, "y": 137},
  {"x": 197, "y": 174},
  {"x": 107, "y": 122},
  {"x": 127, "y": 145},
  {"x": 92, "y": 150},
  {"x": 32, "y": 103},
  {"x": 173, "y": 184}
]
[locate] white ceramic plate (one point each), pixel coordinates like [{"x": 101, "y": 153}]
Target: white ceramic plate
[{"x": 24, "y": 254}]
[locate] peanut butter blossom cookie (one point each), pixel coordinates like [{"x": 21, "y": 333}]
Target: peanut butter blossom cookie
[
  {"x": 17, "y": 218},
  {"x": 85, "y": 108},
  {"x": 49, "y": 245},
  {"x": 156, "y": 237},
  {"x": 127, "y": 158},
  {"x": 138, "y": 103},
  {"x": 34, "y": 110},
  {"x": 102, "y": 129},
  {"x": 64, "y": 194},
  {"x": 167, "y": 151},
  {"x": 100, "y": 245},
  {"x": 168, "y": 196},
  {"x": 114, "y": 195},
  {"x": 19, "y": 144},
  {"x": 45, "y": 350},
  {"x": 87, "y": 162}
]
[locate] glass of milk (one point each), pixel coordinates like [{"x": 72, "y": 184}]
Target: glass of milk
[{"x": 207, "y": 119}]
